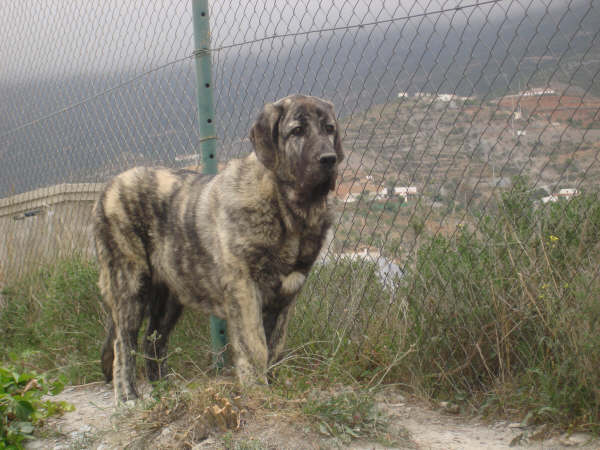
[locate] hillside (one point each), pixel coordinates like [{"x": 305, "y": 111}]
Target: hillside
[
  {"x": 459, "y": 154},
  {"x": 84, "y": 127}
]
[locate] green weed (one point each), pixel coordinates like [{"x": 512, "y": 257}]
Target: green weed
[
  {"x": 230, "y": 443},
  {"x": 345, "y": 415},
  {"x": 22, "y": 407}
]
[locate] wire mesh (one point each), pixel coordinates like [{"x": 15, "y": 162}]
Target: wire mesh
[{"x": 471, "y": 130}]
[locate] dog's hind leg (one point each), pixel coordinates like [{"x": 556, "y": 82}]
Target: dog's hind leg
[
  {"x": 108, "y": 353},
  {"x": 165, "y": 310},
  {"x": 276, "y": 322},
  {"x": 128, "y": 290}
]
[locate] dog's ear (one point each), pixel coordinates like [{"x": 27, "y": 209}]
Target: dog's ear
[
  {"x": 264, "y": 134},
  {"x": 337, "y": 143},
  {"x": 337, "y": 140},
  {"x": 337, "y": 146},
  {"x": 339, "y": 151}
]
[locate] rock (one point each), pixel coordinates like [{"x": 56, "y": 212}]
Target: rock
[
  {"x": 207, "y": 443},
  {"x": 449, "y": 407},
  {"x": 517, "y": 440},
  {"x": 575, "y": 439},
  {"x": 500, "y": 424},
  {"x": 540, "y": 433},
  {"x": 515, "y": 425},
  {"x": 390, "y": 397}
]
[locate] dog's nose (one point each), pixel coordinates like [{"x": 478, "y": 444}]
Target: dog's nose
[{"x": 328, "y": 159}]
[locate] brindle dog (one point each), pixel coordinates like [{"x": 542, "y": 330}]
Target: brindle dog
[{"x": 239, "y": 244}]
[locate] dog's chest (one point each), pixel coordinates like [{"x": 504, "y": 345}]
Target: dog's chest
[
  {"x": 286, "y": 266},
  {"x": 289, "y": 250},
  {"x": 299, "y": 251}
]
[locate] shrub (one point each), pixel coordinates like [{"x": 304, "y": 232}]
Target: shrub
[
  {"x": 512, "y": 304},
  {"x": 22, "y": 406},
  {"x": 501, "y": 314}
]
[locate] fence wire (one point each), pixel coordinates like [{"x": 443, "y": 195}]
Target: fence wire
[{"x": 472, "y": 134}]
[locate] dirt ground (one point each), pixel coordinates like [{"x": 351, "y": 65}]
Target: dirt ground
[{"x": 96, "y": 424}]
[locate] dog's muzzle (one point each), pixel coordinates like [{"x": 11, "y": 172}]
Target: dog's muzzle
[{"x": 328, "y": 160}]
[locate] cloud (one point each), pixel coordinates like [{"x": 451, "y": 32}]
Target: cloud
[{"x": 61, "y": 38}]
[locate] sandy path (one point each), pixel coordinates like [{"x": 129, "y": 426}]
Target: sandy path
[{"x": 95, "y": 424}]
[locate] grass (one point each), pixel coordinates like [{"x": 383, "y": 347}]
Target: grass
[
  {"x": 217, "y": 406},
  {"x": 500, "y": 317},
  {"x": 346, "y": 415},
  {"x": 54, "y": 320}
]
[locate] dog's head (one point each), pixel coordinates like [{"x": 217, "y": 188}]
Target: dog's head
[{"x": 298, "y": 138}]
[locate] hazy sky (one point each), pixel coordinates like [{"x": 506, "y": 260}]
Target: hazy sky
[{"x": 64, "y": 37}]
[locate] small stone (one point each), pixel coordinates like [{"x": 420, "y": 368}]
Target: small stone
[
  {"x": 390, "y": 397},
  {"x": 517, "y": 440},
  {"x": 450, "y": 408},
  {"x": 515, "y": 425},
  {"x": 575, "y": 439},
  {"x": 540, "y": 432}
]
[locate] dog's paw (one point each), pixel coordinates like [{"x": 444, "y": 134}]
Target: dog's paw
[{"x": 126, "y": 404}]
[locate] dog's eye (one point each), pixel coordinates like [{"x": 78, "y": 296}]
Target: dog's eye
[
  {"x": 298, "y": 131},
  {"x": 329, "y": 129}
]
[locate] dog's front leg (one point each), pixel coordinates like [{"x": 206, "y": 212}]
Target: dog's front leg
[
  {"x": 276, "y": 323},
  {"x": 246, "y": 332},
  {"x": 277, "y": 317}
]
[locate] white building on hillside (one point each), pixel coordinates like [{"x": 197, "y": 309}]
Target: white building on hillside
[
  {"x": 538, "y": 91},
  {"x": 445, "y": 97},
  {"x": 550, "y": 199},
  {"x": 568, "y": 192},
  {"x": 405, "y": 191}
]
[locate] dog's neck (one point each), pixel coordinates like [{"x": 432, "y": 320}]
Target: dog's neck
[{"x": 299, "y": 213}]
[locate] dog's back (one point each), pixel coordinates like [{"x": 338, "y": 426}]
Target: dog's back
[
  {"x": 146, "y": 217},
  {"x": 135, "y": 205}
]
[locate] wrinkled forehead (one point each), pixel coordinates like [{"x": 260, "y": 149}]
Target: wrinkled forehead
[{"x": 304, "y": 109}]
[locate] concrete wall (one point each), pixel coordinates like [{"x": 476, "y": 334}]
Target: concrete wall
[{"x": 40, "y": 226}]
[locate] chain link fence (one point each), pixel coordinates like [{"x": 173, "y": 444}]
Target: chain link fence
[{"x": 467, "y": 202}]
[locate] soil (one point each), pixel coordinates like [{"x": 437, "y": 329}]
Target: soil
[{"x": 96, "y": 424}]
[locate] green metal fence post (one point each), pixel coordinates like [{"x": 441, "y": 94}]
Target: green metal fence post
[{"x": 204, "y": 91}]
